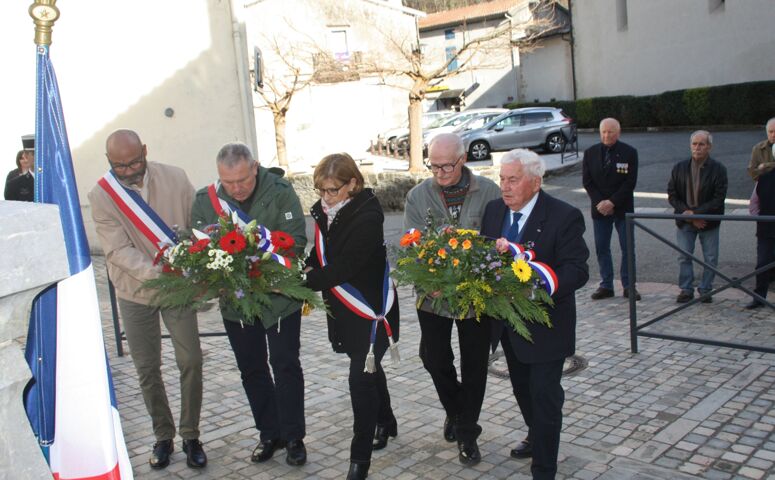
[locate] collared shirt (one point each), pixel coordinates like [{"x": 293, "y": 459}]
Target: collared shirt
[
  {"x": 525, "y": 211},
  {"x": 693, "y": 187}
]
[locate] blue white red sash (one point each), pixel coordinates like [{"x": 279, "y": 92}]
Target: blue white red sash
[
  {"x": 356, "y": 303},
  {"x": 240, "y": 218},
  {"x": 137, "y": 210},
  {"x": 544, "y": 271}
]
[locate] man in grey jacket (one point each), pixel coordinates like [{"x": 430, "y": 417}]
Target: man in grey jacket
[{"x": 453, "y": 196}]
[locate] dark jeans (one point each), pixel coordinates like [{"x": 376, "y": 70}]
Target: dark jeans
[
  {"x": 765, "y": 253},
  {"x": 462, "y": 400},
  {"x": 603, "y": 228},
  {"x": 277, "y": 406},
  {"x": 540, "y": 397},
  {"x": 371, "y": 403}
]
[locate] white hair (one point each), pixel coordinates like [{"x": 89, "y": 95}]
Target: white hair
[
  {"x": 769, "y": 122},
  {"x": 531, "y": 162},
  {"x": 702, "y": 132},
  {"x": 452, "y": 138}
]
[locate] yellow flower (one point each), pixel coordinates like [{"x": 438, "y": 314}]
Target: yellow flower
[
  {"x": 463, "y": 231},
  {"x": 453, "y": 243},
  {"x": 522, "y": 270},
  {"x": 466, "y": 244},
  {"x": 431, "y": 270},
  {"x": 442, "y": 253},
  {"x": 421, "y": 254},
  {"x": 430, "y": 261},
  {"x": 455, "y": 262}
]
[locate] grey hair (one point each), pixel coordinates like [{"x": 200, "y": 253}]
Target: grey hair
[
  {"x": 770, "y": 121},
  {"x": 613, "y": 121},
  {"x": 702, "y": 132},
  {"x": 531, "y": 162},
  {"x": 460, "y": 149},
  {"x": 233, "y": 153}
]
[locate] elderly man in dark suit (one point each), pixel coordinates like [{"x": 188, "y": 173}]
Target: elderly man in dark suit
[
  {"x": 536, "y": 367},
  {"x": 609, "y": 174},
  {"x": 765, "y": 235}
]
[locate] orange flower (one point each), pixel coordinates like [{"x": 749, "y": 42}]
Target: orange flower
[
  {"x": 453, "y": 243},
  {"x": 442, "y": 253},
  {"x": 466, "y": 244},
  {"x": 455, "y": 262},
  {"x": 410, "y": 238}
]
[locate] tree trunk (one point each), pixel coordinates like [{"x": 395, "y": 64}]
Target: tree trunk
[
  {"x": 279, "y": 139},
  {"x": 415, "y": 133}
]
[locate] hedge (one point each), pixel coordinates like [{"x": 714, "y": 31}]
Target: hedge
[{"x": 751, "y": 103}]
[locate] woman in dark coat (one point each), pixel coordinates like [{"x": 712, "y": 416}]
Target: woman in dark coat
[{"x": 350, "y": 253}]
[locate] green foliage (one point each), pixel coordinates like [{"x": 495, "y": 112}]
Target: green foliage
[{"x": 737, "y": 104}]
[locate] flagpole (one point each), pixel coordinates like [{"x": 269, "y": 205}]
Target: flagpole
[{"x": 44, "y": 14}]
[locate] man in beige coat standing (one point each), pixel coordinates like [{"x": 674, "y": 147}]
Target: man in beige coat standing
[{"x": 132, "y": 201}]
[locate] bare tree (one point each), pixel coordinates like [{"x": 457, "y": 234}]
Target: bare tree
[{"x": 404, "y": 59}]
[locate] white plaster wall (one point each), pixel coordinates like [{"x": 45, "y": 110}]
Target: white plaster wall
[
  {"x": 671, "y": 44},
  {"x": 545, "y": 72}
]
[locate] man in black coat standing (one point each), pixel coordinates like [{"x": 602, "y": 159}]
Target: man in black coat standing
[
  {"x": 535, "y": 367},
  {"x": 765, "y": 236},
  {"x": 609, "y": 175}
]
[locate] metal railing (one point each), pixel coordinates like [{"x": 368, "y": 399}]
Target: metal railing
[
  {"x": 570, "y": 149},
  {"x": 631, "y": 221}
]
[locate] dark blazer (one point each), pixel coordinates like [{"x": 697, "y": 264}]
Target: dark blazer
[
  {"x": 557, "y": 230},
  {"x": 355, "y": 252},
  {"x": 615, "y": 183},
  {"x": 765, "y": 189},
  {"x": 21, "y": 188},
  {"x": 713, "y": 189}
]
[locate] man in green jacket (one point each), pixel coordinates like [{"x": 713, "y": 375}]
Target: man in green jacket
[{"x": 277, "y": 405}]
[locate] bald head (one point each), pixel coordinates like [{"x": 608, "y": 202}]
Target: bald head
[
  {"x": 126, "y": 155},
  {"x": 609, "y": 131},
  {"x": 446, "y": 156},
  {"x": 121, "y": 138}
]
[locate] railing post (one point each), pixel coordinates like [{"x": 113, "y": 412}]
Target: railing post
[{"x": 629, "y": 229}]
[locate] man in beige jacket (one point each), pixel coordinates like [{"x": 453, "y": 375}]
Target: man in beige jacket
[{"x": 135, "y": 183}]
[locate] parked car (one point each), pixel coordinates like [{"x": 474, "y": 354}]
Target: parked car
[
  {"x": 540, "y": 127},
  {"x": 389, "y": 138},
  {"x": 446, "y": 125}
]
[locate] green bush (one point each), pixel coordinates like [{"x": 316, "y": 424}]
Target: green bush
[{"x": 751, "y": 103}]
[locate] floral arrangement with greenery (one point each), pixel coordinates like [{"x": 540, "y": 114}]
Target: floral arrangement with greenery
[
  {"x": 242, "y": 265},
  {"x": 460, "y": 270}
]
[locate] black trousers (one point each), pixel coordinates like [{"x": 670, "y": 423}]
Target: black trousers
[
  {"x": 277, "y": 405},
  {"x": 370, "y": 400},
  {"x": 461, "y": 399},
  {"x": 765, "y": 253},
  {"x": 540, "y": 397}
]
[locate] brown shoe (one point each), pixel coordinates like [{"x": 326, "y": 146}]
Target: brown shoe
[
  {"x": 602, "y": 293},
  {"x": 627, "y": 294},
  {"x": 684, "y": 297}
]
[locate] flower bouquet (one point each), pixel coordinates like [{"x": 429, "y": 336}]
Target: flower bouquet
[
  {"x": 463, "y": 271},
  {"x": 241, "y": 264}
]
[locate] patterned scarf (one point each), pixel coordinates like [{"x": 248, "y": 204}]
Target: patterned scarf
[
  {"x": 455, "y": 195},
  {"x": 332, "y": 211}
]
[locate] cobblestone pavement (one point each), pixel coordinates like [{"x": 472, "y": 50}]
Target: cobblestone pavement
[{"x": 672, "y": 411}]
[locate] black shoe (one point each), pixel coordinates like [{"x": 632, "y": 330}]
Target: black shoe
[
  {"x": 160, "y": 457},
  {"x": 708, "y": 299},
  {"x": 382, "y": 434},
  {"x": 449, "y": 430},
  {"x": 602, "y": 293},
  {"x": 469, "y": 452},
  {"x": 627, "y": 294},
  {"x": 684, "y": 297},
  {"x": 358, "y": 471},
  {"x": 523, "y": 450},
  {"x": 265, "y": 450},
  {"x": 296, "y": 453},
  {"x": 195, "y": 454},
  {"x": 754, "y": 305}
]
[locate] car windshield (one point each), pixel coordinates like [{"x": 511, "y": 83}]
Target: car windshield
[{"x": 437, "y": 123}]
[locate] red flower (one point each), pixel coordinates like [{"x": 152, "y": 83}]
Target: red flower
[
  {"x": 282, "y": 240},
  {"x": 253, "y": 269},
  {"x": 199, "y": 245},
  {"x": 168, "y": 269},
  {"x": 233, "y": 242}
]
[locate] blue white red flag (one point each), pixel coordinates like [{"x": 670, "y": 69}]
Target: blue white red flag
[{"x": 70, "y": 401}]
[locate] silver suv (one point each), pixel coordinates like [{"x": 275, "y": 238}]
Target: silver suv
[{"x": 523, "y": 127}]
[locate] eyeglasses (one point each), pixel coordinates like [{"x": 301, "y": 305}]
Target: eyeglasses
[
  {"x": 446, "y": 168},
  {"x": 122, "y": 167},
  {"x": 331, "y": 191}
]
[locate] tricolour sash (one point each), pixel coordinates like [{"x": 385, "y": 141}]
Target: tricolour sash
[
  {"x": 137, "y": 210},
  {"x": 544, "y": 271},
  {"x": 356, "y": 303},
  {"x": 224, "y": 208}
]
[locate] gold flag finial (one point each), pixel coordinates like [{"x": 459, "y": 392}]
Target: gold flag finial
[{"x": 44, "y": 13}]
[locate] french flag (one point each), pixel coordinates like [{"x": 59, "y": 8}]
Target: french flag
[{"x": 70, "y": 401}]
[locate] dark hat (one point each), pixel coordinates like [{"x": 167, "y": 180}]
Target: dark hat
[{"x": 28, "y": 142}]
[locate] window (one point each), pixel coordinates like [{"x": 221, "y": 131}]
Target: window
[
  {"x": 449, "y": 34},
  {"x": 621, "y": 15},
  {"x": 451, "y": 52},
  {"x": 510, "y": 121},
  {"x": 337, "y": 42},
  {"x": 537, "y": 117}
]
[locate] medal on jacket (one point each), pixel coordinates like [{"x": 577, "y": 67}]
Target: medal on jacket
[{"x": 354, "y": 301}]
